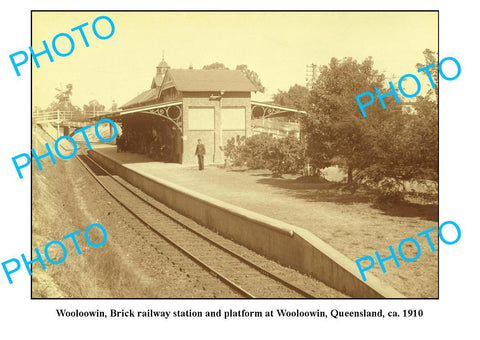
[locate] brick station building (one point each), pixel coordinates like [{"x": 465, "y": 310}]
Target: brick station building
[{"x": 186, "y": 105}]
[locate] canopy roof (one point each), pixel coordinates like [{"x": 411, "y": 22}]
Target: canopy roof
[{"x": 142, "y": 99}]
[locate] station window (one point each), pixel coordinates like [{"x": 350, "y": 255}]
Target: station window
[
  {"x": 201, "y": 118},
  {"x": 233, "y": 118}
]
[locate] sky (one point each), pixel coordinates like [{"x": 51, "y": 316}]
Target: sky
[{"x": 276, "y": 45}]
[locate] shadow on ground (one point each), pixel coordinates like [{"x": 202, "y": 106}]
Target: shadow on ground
[
  {"x": 406, "y": 209},
  {"x": 336, "y": 193}
]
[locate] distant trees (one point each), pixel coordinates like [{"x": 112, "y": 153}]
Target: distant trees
[
  {"x": 297, "y": 97},
  {"x": 93, "y": 107},
  {"x": 252, "y": 75},
  {"x": 63, "y": 101},
  {"x": 215, "y": 66}
]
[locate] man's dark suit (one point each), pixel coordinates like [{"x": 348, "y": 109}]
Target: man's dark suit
[{"x": 200, "y": 153}]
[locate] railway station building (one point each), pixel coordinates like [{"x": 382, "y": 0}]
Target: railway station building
[{"x": 184, "y": 105}]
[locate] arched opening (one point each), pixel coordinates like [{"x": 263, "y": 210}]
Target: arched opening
[{"x": 155, "y": 136}]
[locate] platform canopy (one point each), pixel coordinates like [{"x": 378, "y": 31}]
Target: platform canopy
[
  {"x": 269, "y": 110},
  {"x": 171, "y": 111}
]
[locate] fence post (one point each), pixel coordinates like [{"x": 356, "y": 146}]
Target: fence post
[{"x": 58, "y": 123}]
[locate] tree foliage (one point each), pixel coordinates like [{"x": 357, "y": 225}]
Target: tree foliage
[
  {"x": 63, "y": 102},
  {"x": 407, "y": 145},
  {"x": 284, "y": 156},
  {"x": 296, "y": 97},
  {"x": 231, "y": 150},
  {"x": 384, "y": 149},
  {"x": 62, "y": 99},
  {"x": 431, "y": 58},
  {"x": 253, "y": 152},
  {"x": 252, "y": 75},
  {"x": 215, "y": 66},
  {"x": 93, "y": 107},
  {"x": 262, "y": 151},
  {"x": 335, "y": 130}
]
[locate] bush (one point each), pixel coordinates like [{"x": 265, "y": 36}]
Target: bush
[
  {"x": 232, "y": 150},
  {"x": 262, "y": 151},
  {"x": 284, "y": 156},
  {"x": 389, "y": 190},
  {"x": 254, "y": 152}
]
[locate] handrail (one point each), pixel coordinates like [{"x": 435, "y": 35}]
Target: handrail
[{"x": 52, "y": 116}]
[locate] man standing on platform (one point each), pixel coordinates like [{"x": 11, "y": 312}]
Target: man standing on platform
[{"x": 200, "y": 153}]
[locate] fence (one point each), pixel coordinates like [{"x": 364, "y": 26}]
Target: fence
[{"x": 59, "y": 116}]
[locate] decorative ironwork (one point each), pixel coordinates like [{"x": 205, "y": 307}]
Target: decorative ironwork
[
  {"x": 267, "y": 112},
  {"x": 172, "y": 113}
]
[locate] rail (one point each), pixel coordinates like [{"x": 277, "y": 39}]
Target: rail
[{"x": 291, "y": 287}]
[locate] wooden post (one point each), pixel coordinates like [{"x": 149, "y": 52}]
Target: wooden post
[{"x": 58, "y": 123}]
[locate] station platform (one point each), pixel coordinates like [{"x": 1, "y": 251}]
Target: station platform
[{"x": 240, "y": 205}]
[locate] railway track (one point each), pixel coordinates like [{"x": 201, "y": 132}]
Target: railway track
[{"x": 247, "y": 278}]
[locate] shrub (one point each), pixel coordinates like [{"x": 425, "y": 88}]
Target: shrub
[
  {"x": 284, "y": 156},
  {"x": 254, "y": 152},
  {"x": 262, "y": 151},
  {"x": 232, "y": 150},
  {"x": 389, "y": 190}
]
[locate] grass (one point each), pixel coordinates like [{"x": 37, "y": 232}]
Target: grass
[{"x": 98, "y": 272}]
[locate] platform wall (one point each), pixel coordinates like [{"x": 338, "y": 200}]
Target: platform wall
[{"x": 287, "y": 244}]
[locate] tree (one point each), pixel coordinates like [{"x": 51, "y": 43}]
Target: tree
[
  {"x": 410, "y": 142},
  {"x": 425, "y": 133},
  {"x": 252, "y": 75},
  {"x": 335, "y": 131},
  {"x": 296, "y": 97},
  {"x": 426, "y": 136},
  {"x": 63, "y": 102},
  {"x": 431, "y": 58},
  {"x": 215, "y": 66},
  {"x": 384, "y": 149},
  {"x": 93, "y": 107}
]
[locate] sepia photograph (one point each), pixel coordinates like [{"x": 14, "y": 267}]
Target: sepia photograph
[{"x": 234, "y": 154}]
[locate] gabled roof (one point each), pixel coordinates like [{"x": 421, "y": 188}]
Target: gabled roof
[
  {"x": 142, "y": 98},
  {"x": 156, "y": 81},
  {"x": 193, "y": 81},
  {"x": 210, "y": 80}
]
